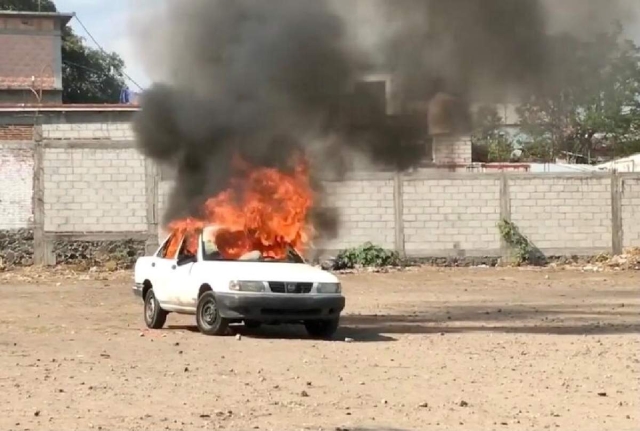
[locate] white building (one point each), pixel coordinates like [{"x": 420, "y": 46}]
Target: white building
[{"x": 627, "y": 164}]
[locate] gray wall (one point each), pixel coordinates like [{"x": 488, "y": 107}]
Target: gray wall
[
  {"x": 456, "y": 214},
  {"x": 68, "y": 186}
]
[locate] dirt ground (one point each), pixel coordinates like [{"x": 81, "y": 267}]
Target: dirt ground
[{"x": 432, "y": 349}]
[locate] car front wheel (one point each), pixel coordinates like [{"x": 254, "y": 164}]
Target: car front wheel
[
  {"x": 324, "y": 329},
  {"x": 154, "y": 316},
  {"x": 208, "y": 317}
]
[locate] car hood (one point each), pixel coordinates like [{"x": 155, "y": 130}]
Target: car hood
[{"x": 270, "y": 271}]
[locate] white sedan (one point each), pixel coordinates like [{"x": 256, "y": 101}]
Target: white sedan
[{"x": 251, "y": 290}]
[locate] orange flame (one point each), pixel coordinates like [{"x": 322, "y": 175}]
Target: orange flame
[{"x": 263, "y": 209}]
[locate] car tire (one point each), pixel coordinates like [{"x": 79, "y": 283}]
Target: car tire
[
  {"x": 323, "y": 329},
  {"x": 252, "y": 324},
  {"x": 208, "y": 318},
  {"x": 154, "y": 316}
]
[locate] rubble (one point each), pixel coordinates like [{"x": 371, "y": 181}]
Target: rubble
[
  {"x": 109, "y": 270},
  {"x": 33, "y": 274},
  {"x": 16, "y": 251},
  {"x": 629, "y": 260},
  {"x": 16, "y": 248},
  {"x": 111, "y": 255}
]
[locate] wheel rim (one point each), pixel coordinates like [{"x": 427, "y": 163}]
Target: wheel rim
[
  {"x": 209, "y": 313},
  {"x": 151, "y": 307}
]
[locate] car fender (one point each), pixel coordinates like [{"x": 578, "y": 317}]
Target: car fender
[
  {"x": 206, "y": 275},
  {"x": 141, "y": 270}
]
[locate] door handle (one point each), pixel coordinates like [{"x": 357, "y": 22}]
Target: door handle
[
  {"x": 173, "y": 267},
  {"x": 153, "y": 264}
]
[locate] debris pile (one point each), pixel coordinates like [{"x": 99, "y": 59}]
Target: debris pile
[
  {"x": 109, "y": 255},
  {"x": 628, "y": 260},
  {"x": 16, "y": 248},
  {"x": 32, "y": 274}
]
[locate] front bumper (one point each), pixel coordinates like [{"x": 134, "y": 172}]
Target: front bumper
[
  {"x": 137, "y": 290},
  {"x": 279, "y": 308}
]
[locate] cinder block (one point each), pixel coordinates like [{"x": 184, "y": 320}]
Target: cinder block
[{"x": 89, "y": 206}]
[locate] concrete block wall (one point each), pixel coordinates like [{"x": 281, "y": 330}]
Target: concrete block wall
[
  {"x": 73, "y": 186},
  {"x": 562, "y": 214},
  {"x": 366, "y": 209},
  {"x": 104, "y": 186},
  {"x": 453, "y": 216},
  {"x": 94, "y": 190},
  {"x": 16, "y": 185},
  {"x": 164, "y": 191},
  {"x": 444, "y": 215},
  {"x": 452, "y": 150},
  {"x": 121, "y": 130},
  {"x": 630, "y": 203}
]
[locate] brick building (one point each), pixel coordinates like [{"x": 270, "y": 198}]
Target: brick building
[{"x": 31, "y": 57}]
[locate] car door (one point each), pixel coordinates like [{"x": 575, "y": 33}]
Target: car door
[
  {"x": 179, "y": 279},
  {"x": 164, "y": 265}
]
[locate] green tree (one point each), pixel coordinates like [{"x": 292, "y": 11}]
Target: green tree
[
  {"x": 490, "y": 141},
  {"x": 89, "y": 75},
  {"x": 28, "y": 5},
  {"x": 590, "y": 103}
]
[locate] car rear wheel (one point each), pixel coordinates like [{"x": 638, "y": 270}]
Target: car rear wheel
[
  {"x": 208, "y": 317},
  {"x": 154, "y": 316},
  {"x": 324, "y": 329}
]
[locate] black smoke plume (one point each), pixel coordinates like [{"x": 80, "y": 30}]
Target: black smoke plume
[
  {"x": 489, "y": 51},
  {"x": 257, "y": 78},
  {"x": 263, "y": 78},
  {"x": 471, "y": 48}
]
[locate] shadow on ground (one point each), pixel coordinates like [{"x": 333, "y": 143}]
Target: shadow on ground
[
  {"x": 561, "y": 319},
  {"x": 565, "y": 319},
  {"x": 285, "y": 332}
]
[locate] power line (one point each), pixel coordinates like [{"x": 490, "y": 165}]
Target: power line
[
  {"x": 102, "y": 49},
  {"x": 101, "y": 72}
]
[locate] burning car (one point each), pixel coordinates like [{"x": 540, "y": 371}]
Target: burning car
[{"x": 192, "y": 274}]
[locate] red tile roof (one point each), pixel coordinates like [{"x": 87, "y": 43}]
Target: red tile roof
[{"x": 67, "y": 108}]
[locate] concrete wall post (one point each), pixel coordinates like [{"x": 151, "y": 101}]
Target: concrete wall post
[
  {"x": 505, "y": 212},
  {"x": 39, "y": 246},
  {"x": 616, "y": 214},
  {"x": 398, "y": 203},
  {"x": 152, "y": 181}
]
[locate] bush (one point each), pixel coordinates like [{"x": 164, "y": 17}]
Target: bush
[
  {"x": 367, "y": 255},
  {"x": 522, "y": 250}
]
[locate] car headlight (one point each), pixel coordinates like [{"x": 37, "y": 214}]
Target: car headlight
[
  {"x": 247, "y": 286},
  {"x": 329, "y": 288}
]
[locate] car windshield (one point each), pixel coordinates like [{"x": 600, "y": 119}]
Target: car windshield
[{"x": 211, "y": 251}]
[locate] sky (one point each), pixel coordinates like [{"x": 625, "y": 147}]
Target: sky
[{"x": 112, "y": 22}]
